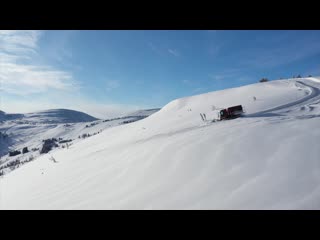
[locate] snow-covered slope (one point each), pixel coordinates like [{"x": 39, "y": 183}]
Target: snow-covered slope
[
  {"x": 30, "y": 131},
  {"x": 267, "y": 159},
  {"x": 144, "y": 112},
  {"x": 24, "y": 128}
]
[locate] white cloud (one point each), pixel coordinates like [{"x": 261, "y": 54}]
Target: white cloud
[
  {"x": 186, "y": 81},
  {"x": 19, "y": 41},
  {"x": 31, "y": 85},
  {"x": 174, "y": 52},
  {"x": 17, "y": 73},
  {"x": 26, "y": 79}
]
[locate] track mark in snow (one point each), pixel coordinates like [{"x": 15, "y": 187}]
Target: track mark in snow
[{"x": 314, "y": 94}]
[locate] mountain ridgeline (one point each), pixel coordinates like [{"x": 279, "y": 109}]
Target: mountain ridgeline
[
  {"x": 5, "y": 116},
  {"x": 59, "y": 116},
  {"x": 49, "y": 116}
]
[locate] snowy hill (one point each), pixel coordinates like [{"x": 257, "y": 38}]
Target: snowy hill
[
  {"x": 4, "y": 116},
  {"x": 64, "y": 125},
  {"x": 59, "y": 116},
  {"x": 267, "y": 159},
  {"x": 24, "y": 128}
]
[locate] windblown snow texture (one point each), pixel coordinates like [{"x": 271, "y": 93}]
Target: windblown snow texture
[{"x": 267, "y": 159}]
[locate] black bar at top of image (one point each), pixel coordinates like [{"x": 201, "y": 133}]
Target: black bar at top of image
[{"x": 157, "y": 16}]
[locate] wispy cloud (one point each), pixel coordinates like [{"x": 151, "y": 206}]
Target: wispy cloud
[
  {"x": 216, "y": 77},
  {"x": 215, "y": 49},
  {"x": 174, "y": 52},
  {"x": 59, "y": 48},
  {"x": 295, "y": 49},
  {"x": 163, "y": 51},
  {"x": 226, "y": 74},
  {"x": 26, "y": 79},
  {"x": 200, "y": 89},
  {"x": 112, "y": 84},
  {"x": 154, "y": 48},
  {"x": 19, "y": 42},
  {"x": 19, "y": 75},
  {"x": 187, "y": 82}
]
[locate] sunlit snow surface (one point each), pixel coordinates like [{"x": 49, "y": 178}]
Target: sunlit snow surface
[{"x": 267, "y": 159}]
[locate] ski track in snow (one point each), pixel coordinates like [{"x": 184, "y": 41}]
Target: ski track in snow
[{"x": 314, "y": 95}]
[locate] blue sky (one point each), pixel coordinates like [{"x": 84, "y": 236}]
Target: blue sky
[{"x": 106, "y": 73}]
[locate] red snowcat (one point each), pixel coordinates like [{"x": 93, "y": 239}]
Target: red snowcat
[{"x": 231, "y": 112}]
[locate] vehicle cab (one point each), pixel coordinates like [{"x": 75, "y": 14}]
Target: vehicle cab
[{"x": 223, "y": 114}]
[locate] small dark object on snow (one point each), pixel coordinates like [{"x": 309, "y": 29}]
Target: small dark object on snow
[
  {"x": 264, "y": 80},
  {"x": 231, "y": 112},
  {"x": 25, "y": 150},
  {"x": 201, "y": 116},
  {"x": 48, "y": 145},
  {"x": 66, "y": 141},
  {"x": 14, "y": 153},
  {"x": 53, "y": 159}
]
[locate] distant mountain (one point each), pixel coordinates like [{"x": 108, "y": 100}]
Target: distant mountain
[
  {"x": 5, "y": 116},
  {"x": 59, "y": 116},
  {"x": 2, "y": 115}
]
